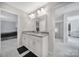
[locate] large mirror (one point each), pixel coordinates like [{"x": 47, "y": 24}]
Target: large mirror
[{"x": 41, "y": 24}]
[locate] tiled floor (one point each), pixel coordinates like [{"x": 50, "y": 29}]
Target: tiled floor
[
  {"x": 70, "y": 49},
  {"x": 9, "y": 48}
]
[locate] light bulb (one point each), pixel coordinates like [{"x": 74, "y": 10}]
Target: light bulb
[
  {"x": 56, "y": 30},
  {"x": 38, "y": 11},
  {"x": 43, "y": 11},
  {"x": 32, "y": 16}
]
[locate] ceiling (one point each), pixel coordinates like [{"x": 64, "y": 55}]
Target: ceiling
[
  {"x": 27, "y": 6},
  {"x": 61, "y": 4}
]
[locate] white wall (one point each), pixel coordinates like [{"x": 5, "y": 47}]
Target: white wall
[{"x": 51, "y": 27}]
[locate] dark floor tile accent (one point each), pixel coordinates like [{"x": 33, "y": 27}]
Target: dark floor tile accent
[
  {"x": 22, "y": 49},
  {"x": 8, "y": 34},
  {"x": 30, "y": 54}
]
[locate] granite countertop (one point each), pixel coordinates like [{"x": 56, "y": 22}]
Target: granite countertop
[{"x": 38, "y": 34}]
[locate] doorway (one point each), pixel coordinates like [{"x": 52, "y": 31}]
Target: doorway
[
  {"x": 9, "y": 24},
  {"x": 71, "y": 34},
  {"x": 73, "y": 29}
]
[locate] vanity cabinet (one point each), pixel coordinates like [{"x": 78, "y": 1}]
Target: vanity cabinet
[{"x": 37, "y": 44}]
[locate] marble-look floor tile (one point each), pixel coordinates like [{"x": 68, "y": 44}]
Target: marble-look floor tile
[
  {"x": 69, "y": 49},
  {"x": 9, "y": 48}
]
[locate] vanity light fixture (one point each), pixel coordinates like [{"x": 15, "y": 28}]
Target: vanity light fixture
[
  {"x": 32, "y": 15},
  {"x": 43, "y": 11},
  {"x": 38, "y": 12}
]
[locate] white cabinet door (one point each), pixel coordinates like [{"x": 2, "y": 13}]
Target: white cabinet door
[
  {"x": 38, "y": 46},
  {"x": 25, "y": 40},
  {"x": 31, "y": 43}
]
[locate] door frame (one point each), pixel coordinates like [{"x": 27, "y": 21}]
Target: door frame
[{"x": 0, "y": 32}]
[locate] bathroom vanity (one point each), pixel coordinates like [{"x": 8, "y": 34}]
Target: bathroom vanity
[
  {"x": 37, "y": 39},
  {"x": 37, "y": 42}
]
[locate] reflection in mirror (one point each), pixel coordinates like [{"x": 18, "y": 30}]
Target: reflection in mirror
[{"x": 37, "y": 25}]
